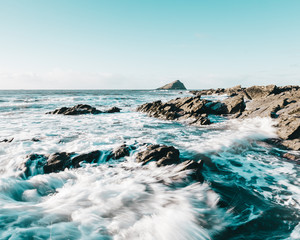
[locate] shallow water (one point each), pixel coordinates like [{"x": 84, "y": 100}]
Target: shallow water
[{"x": 249, "y": 191}]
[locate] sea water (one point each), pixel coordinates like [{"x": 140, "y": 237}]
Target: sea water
[{"x": 249, "y": 191}]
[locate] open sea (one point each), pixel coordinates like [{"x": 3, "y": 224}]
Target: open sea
[{"x": 249, "y": 192}]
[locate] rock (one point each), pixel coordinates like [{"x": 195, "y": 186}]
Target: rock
[
  {"x": 176, "y": 85},
  {"x": 192, "y": 165},
  {"x": 113, "y": 110},
  {"x": 58, "y": 162},
  {"x": 215, "y": 108},
  {"x": 235, "y": 104},
  {"x": 121, "y": 151},
  {"x": 292, "y": 144},
  {"x": 8, "y": 140},
  {"x": 289, "y": 127},
  {"x": 87, "y": 157},
  {"x": 161, "y": 154},
  {"x": 34, "y": 164},
  {"x": 35, "y": 139},
  {"x": 177, "y": 109},
  {"x": 255, "y": 92},
  {"x": 76, "y": 110},
  {"x": 291, "y": 157}
]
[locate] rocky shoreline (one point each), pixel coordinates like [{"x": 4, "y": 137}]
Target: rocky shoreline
[{"x": 280, "y": 103}]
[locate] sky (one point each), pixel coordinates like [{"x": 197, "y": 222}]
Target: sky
[{"x": 139, "y": 44}]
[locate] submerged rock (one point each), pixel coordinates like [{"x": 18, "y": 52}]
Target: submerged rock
[
  {"x": 176, "y": 85},
  {"x": 113, "y": 110}
]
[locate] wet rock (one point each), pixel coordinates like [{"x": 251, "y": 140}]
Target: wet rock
[
  {"x": 35, "y": 139},
  {"x": 235, "y": 104},
  {"x": 7, "y": 140},
  {"x": 113, "y": 110},
  {"x": 87, "y": 157},
  {"x": 58, "y": 162},
  {"x": 122, "y": 151},
  {"x": 34, "y": 164},
  {"x": 215, "y": 108},
  {"x": 161, "y": 154},
  {"x": 76, "y": 110},
  {"x": 177, "y": 109},
  {"x": 192, "y": 165},
  {"x": 176, "y": 85}
]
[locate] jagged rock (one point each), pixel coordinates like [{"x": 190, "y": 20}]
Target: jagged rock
[
  {"x": 176, "y": 85},
  {"x": 215, "y": 108},
  {"x": 58, "y": 162},
  {"x": 121, "y": 151},
  {"x": 8, "y": 140},
  {"x": 161, "y": 154},
  {"x": 76, "y": 110},
  {"x": 255, "y": 92},
  {"x": 235, "y": 104},
  {"x": 113, "y": 110},
  {"x": 177, "y": 109},
  {"x": 289, "y": 127},
  {"x": 87, "y": 157}
]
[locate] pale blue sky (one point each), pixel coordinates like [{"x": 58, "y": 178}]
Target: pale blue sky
[{"x": 138, "y": 44}]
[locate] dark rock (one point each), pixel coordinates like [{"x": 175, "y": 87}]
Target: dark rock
[
  {"x": 76, "y": 110},
  {"x": 122, "y": 151},
  {"x": 215, "y": 108},
  {"x": 34, "y": 164},
  {"x": 192, "y": 165},
  {"x": 35, "y": 139},
  {"x": 58, "y": 162},
  {"x": 8, "y": 140},
  {"x": 177, "y": 109},
  {"x": 113, "y": 110},
  {"x": 91, "y": 157},
  {"x": 176, "y": 85},
  {"x": 161, "y": 154}
]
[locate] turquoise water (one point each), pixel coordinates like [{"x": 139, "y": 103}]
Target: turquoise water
[{"x": 249, "y": 191}]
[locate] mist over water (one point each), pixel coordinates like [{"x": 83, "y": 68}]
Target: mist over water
[{"x": 249, "y": 191}]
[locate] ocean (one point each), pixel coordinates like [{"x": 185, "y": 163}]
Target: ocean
[{"x": 249, "y": 191}]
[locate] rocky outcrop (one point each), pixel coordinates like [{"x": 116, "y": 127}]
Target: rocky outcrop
[
  {"x": 280, "y": 103},
  {"x": 193, "y": 109},
  {"x": 56, "y": 162},
  {"x": 82, "y": 109},
  {"x": 176, "y": 85}
]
